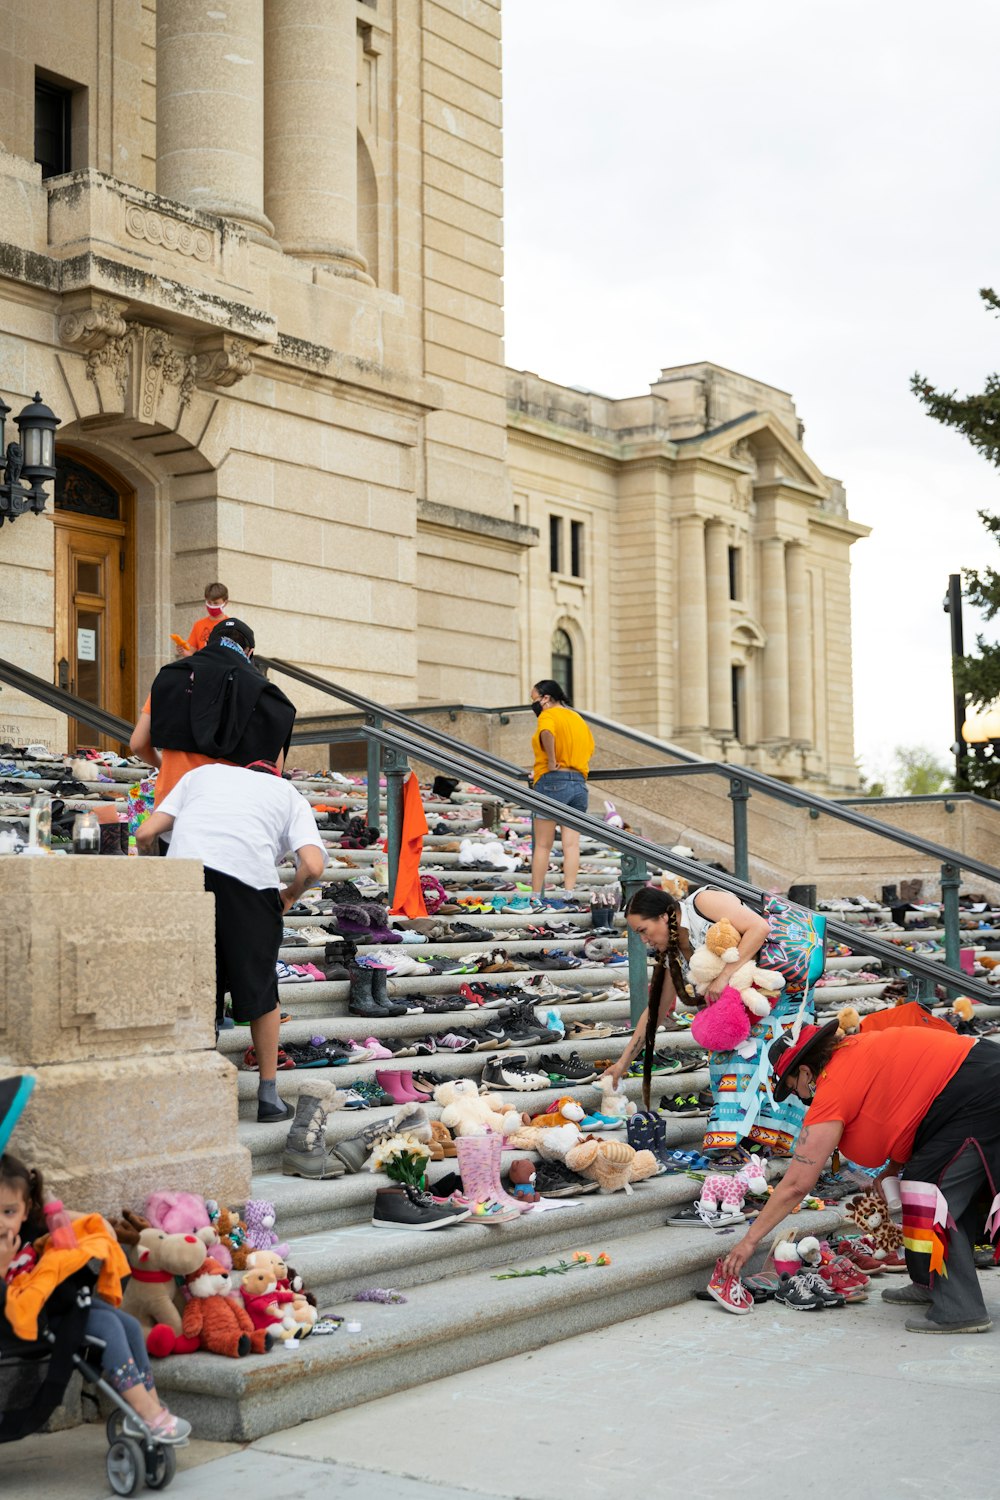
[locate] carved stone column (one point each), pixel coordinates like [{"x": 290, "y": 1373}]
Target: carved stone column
[
  {"x": 774, "y": 618},
  {"x": 311, "y": 158},
  {"x": 210, "y": 108},
  {"x": 720, "y": 697},
  {"x": 800, "y": 673},
  {"x": 692, "y": 623}
]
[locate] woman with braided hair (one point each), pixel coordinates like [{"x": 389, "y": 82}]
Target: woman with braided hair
[{"x": 673, "y": 929}]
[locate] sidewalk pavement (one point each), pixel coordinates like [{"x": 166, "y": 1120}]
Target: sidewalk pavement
[{"x": 689, "y": 1400}]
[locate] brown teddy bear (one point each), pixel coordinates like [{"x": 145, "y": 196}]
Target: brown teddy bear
[
  {"x": 156, "y": 1259},
  {"x": 232, "y": 1232},
  {"x": 268, "y": 1307},
  {"x": 521, "y": 1175},
  {"x": 303, "y": 1304},
  {"x": 611, "y": 1164},
  {"x": 218, "y": 1319}
]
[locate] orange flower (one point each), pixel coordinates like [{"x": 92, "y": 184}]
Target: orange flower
[
  {"x": 604, "y": 1259},
  {"x": 582, "y": 1258}
]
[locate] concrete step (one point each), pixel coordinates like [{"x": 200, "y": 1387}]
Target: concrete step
[
  {"x": 304, "y": 1209},
  {"x": 842, "y": 994},
  {"x": 448, "y": 1325}
]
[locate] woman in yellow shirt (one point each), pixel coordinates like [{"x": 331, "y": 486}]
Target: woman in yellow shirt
[{"x": 562, "y": 746}]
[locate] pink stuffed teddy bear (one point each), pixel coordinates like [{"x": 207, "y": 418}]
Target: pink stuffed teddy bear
[{"x": 186, "y": 1213}]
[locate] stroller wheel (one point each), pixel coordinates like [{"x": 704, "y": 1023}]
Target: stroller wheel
[
  {"x": 126, "y": 1466},
  {"x": 114, "y": 1426},
  {"x": 161, "y": 1466}
]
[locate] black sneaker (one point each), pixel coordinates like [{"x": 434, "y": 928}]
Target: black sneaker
[
  {"x": 512, "y": 1073},
  {"x": 822, "y": 1289},
  {"x": 681, "y": 1105},
  {"x": 553, "y": 1179},
  {"x": 693, "y": 1216},
  {"x": 271, "y": 1114},
  {"x": 426, "y": 1082},
  {"x": 408, "y": 1208},
  {"x": 566, "y": 1069},
  {"x": 797, "y": 1293}
]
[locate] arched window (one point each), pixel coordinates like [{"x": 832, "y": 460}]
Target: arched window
[{"x": 562, "y": 662}]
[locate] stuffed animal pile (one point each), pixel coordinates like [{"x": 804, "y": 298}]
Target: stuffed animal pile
[{"x": 203, "y": 1278}]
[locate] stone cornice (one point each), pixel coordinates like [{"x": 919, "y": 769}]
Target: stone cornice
[{"x": 432, "y": 516}]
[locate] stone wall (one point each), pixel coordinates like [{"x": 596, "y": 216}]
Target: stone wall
[{"x": 107, "y": 996}]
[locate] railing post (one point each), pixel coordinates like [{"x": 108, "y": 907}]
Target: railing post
[
  {"x": 951, "y": 880},
  {"x": 374, "y": 754},
  {"x": 396, "y": 770},
  {"x": 635, "y": 873},
  {"x": 739, "y": 795}
]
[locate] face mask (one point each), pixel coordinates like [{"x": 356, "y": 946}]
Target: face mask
[
  {"x": 214, "y": 609},
  {"x": 536, "y": 709}
]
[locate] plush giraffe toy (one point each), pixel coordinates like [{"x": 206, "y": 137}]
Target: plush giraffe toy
[{"x": 722, "y": 1191}]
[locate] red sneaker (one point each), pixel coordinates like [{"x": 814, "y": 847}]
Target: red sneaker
[
  {"x": 840, "y": 1276},
  {"x": 859, "y": 1257},
  {"x": 729, "y": 1291},
  {"x": 892, "y": 1261}
]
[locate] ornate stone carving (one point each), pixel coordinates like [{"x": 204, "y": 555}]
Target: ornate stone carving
[
  {"x": 173, "y": 234},
  {"x": 224, "y": 367},
  {"x": 163, "y": 365},
  {"x": 92, "y": 327},
  {"x": 112, "y": 355}
]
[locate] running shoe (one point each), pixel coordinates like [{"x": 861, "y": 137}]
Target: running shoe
[{"x": 729, "y": 1291}]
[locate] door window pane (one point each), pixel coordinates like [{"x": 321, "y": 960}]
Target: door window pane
[
  {"x": 89, "y": 650},
  {"x": 88, "y": 577}
]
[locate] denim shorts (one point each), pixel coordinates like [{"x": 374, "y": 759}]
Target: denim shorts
[{"x": 569, "y": 787}]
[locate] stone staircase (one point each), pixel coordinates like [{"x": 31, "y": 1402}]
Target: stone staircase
[{"x": 457, "y": 1315}]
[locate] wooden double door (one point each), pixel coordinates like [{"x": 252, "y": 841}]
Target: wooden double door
[{"x": 95, "y": 592}]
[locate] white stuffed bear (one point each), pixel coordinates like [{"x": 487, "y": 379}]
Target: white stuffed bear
[
  {"x": 759, "y": 988},
  {"x": 614, "y": 1104},
  {"x": 468, "y": 1112}
]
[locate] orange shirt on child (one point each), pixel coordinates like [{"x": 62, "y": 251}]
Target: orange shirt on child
[
  {"x": 881, "y": 1084},
  {"x": 201, "y": 630}
]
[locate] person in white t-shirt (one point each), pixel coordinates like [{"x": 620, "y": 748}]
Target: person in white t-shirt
[{"x": 240, "y": 823}]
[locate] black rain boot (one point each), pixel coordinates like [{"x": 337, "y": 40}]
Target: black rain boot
[{"x": 380, "y": 995}]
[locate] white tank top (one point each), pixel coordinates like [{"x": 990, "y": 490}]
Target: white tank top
[{"x": 692, "y": 919}]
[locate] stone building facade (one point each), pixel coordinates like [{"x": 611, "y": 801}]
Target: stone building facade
[
  {"x": 251, "y": 255},
  {"x": 694, "y": 575}
]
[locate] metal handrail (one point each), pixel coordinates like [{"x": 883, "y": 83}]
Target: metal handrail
[
  {"x": 637, "y": 854},
  {"x": 65, "y": 702}
]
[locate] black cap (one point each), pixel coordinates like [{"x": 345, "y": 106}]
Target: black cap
[{"x": 227, "y": 627}]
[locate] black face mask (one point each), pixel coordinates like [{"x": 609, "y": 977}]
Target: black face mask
[{"x": 536, "y": 709}]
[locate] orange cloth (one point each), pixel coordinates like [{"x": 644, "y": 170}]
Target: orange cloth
[
  {"x": 910, "y": 1014},
  {"x": 881, "y": 1085},
  {"x": 28, "y": 1293},
  {"x": 408, "y": 896},
  {"x": 201, "y": 630},
  {"x": 176, "y": 763}
]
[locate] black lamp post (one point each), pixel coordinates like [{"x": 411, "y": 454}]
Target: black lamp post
[
  {"x": 30, "y": 463},
  {"x": 953, "y": 608}
]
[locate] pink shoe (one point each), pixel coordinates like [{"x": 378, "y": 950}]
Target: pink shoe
[
  {"x": 414, "y": 1093},
  {"x": 374, "y": 1046},
  {"x": 393, "y": 1084},
  {"x": 500, "y": 1193}
]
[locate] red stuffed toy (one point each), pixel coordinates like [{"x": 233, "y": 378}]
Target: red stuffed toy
[{"x": 217, "y": 1318}]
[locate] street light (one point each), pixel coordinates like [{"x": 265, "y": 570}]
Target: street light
[
  {"x": 953, "y": 608},
  {"x": 981, "y": 732},
  {"x": 33, "y": 457}
]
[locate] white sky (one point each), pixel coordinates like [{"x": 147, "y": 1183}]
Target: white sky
[{"x": 802, "y": 190}]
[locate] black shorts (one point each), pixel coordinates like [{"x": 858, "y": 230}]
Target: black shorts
[{"x": 248, "y": 928}]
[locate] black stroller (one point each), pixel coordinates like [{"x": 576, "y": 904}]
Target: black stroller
[{"x": 36, "y": 1376}]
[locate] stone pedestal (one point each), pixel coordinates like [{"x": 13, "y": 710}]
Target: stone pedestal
[{"x": 107, "y": 995}]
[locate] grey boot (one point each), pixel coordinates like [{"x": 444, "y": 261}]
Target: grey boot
[
  {"x": 305, "y": 1153},
  {"x": 354, "y": 1152}
]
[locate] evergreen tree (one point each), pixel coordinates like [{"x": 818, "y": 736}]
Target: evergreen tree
[{"x": 976, "y": 674}]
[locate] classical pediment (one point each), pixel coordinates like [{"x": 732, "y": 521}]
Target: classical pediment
[{"x": 761, "y": 445}]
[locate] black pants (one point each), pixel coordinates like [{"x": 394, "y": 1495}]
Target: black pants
[
  {"x": 248, "y": 928},
  {"x": 957, "y": 1146}
]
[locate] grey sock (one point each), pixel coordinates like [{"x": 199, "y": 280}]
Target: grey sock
[{"x": 267, "y": 1091}]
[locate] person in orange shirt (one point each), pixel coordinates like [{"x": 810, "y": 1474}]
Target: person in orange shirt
[
  {"x": 921, "y": 1105},
  {"x": 216, "y": 609}
]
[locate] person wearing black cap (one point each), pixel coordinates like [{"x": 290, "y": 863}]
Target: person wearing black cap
[{"x": 920, "y": 1104}]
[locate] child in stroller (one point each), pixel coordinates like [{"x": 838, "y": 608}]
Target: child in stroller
[{"x": 106, "y": 1344}]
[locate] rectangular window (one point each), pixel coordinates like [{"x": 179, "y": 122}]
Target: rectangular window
[
  {"x": 734, "y": 573},
  {"x": 53, "y": 110},
  {"x": 737, "y": 692},
  {"x": 576, "y": 548},
  {"x": 555, "y": 544}
]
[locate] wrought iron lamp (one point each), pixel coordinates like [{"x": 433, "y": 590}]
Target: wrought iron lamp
[{"x": 30, "y": 463}]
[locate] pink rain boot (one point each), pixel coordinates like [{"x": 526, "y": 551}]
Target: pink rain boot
[
  {"x": 475, "y": 1164},
  {"x": 499, "y": 1191},
  {"x": 414, "y": 1093},
  {"x": 393, "y": 1083}
]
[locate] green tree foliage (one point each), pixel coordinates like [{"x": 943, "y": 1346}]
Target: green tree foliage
[
  {"x": 977, "y": 674},
  {"x": 914, "y": 771}
]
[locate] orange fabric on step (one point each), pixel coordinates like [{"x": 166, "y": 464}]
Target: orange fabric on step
[
  {"x": 408, "y": 897},
  {"x": 28, "y": 1293}
]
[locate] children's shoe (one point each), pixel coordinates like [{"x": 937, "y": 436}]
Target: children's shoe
[
  {"x": 597, "y": 1122},
  {"x": 796, "y": 1293},
  {"x": 693, "y": 1216},
  {"x": 822, "y": 1288},
  {"x": 729, "y": 1291},
  {"x": 165, "y": 1428},
  {"x": 681, "y": 1105}
]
